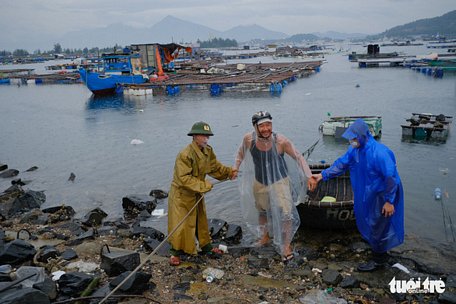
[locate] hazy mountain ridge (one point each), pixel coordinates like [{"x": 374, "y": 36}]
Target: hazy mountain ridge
[
  {"x": 444, "y": 25},
  {"x": 172, "y": 29}
]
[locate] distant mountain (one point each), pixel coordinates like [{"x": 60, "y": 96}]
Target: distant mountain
[
  {"x": 338, "y": 35},
  {"x": 177, "y": 30},
  {"x": 169, "y": 29},
  {"x": 444, "y": 25},
  {"x": 298, "y": 38},
  {"x": 244, "y": 33}
]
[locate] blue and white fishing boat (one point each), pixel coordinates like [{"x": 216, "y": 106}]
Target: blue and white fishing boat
[{"x": 116, "y": 69}]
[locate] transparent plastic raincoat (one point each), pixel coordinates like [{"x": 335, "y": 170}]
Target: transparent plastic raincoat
[
  {"x": 374, "y": 180},
  {"x": 272, "y": 181}
]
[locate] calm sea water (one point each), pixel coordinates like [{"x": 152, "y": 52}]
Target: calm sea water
[{"x": 62, "y": 129}]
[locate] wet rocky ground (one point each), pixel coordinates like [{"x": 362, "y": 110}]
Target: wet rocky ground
[{"x": 49, "y": 256}]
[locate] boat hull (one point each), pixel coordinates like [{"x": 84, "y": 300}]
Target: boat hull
[
  {"x": 105, "y": 84},
  {"x": 337, "y": 125},
  {"x": 329, "y": 215}
]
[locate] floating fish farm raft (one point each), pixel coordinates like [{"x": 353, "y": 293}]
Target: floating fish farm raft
[{"x": 258, "y": 77}]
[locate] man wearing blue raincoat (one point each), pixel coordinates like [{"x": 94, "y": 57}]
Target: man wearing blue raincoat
[{"x": 378, "y": 193}]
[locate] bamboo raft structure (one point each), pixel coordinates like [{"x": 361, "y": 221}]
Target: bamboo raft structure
[{"x": 259, "y": 77}]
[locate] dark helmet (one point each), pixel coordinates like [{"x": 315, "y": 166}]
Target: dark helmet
[
  {"x": 260, "y": 117},
  {"x": 200, "y": 128}
]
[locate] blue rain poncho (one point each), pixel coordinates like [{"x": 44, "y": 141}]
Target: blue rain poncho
[{"x": 374, "y": 180}]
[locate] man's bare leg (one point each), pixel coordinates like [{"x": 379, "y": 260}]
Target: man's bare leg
[
  {"x": 286, "y": 250},
  {"x": 263, "y": 222}
]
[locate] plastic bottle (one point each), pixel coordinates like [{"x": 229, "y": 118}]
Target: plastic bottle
[
  {"x": 210, "y": 274},
  {"x": 210, "y": 278},
  {"x": 438, "y": 194}
]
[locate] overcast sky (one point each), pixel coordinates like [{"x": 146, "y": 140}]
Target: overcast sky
[{"x": 24, "y": 22}]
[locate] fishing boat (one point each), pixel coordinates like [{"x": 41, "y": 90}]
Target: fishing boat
[
  {"x": 330, "y": 206},
  {"x": 124, "y": 68},
  {"x": 336, "y": 125},
  {"x": 427, "y": 127}
]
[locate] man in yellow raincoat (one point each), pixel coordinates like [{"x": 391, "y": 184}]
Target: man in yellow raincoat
[{"x": 187, "y": 189}]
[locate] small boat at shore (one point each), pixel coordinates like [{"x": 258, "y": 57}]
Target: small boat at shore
[
  {"x": 427, "y": 127},
  {"x": 336, "y": 125},
  {"x": 124, "y": 68},
  {"x": 330, "y": 206}
]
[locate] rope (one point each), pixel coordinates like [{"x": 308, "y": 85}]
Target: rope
[{"x": 157, "y": 248}]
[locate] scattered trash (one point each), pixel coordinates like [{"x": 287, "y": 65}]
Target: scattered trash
[
  {"x": 401, "y": 267},
  {"x": 317, "y": 270},
  {"x": 57, "y": 274},
  {"x": 136, "y": 141},
  {"x": 444, "y": 171},
  {"x": 159, "y": 212},
  {"x": 223, "y": 248},
  {"x": 210, "y": 274},
  {"x": 438, "y": 194}
]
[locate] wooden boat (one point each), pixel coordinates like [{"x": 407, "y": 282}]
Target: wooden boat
[
  {"x": 427, "y": 127},
  {"x": 319, "y": 212},
  {"x": 337, "y": 125}
]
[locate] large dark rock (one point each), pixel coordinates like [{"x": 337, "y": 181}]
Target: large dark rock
[
  {"x": 69, "y": 254},
  {"x": 35, "y": 217},
  {"x": 26, "y": 202},
  {"x": 3, "y": 167},
  {"x": 233, "y": 234},
  {"x": 115, "y": 261},
  {"x": 47, "y": 252},
  {"x": 349, "y": 282},
  {"x": 73, "y": 283},
  {"x": 94, "y": 217},
  {"x": 138, "y": 230},
  {"x": 48, "y": 287},
  {"x": 136, "y": 284},
  {"x": 217, "y": 228},
  {"x": 150, "y": 244},
  {"x": 331, "y": 277},
  {"x": 88, "y": 235},
  {"x": 24, "y": 295},
  {"x": 134, "y": 204},
  {"x": 9, "y": 173},
  {"x": 158, "y": 194},
  {"x": 59, "y": 213},
  {"x": 16, "y": 252},
  {"x": 75, "y": 228}
]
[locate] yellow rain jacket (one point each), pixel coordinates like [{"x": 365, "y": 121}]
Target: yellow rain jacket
[{"x": 192, "y": 165}]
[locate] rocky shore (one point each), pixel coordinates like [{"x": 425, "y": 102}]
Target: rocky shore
[{"x": 49, "y": 256}]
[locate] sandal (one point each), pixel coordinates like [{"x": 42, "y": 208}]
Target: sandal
[
  {"x": 287, "y": 259},
  {"x": 174, "y": 260}
]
